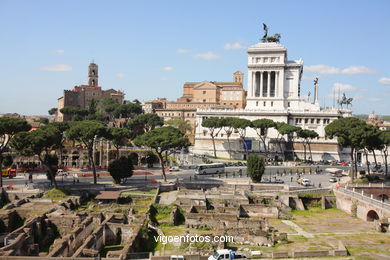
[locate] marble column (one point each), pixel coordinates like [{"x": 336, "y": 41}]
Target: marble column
[
  {"x": 261, "y": 84},
  {"x": 276, "y": 83},
  {"x": 253, "y": 83},
  {"x": 269, "y": 84}
]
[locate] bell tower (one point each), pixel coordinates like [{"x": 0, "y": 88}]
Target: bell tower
[
  {"x": 238, "y": 76},
  {"x": 93, "y": 75}
]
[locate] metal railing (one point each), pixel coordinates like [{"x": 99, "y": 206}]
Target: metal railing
[{"x": 369, "y": 199}]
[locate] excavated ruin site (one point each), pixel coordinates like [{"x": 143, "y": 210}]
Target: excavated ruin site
[{"x": 119, "y": 223}]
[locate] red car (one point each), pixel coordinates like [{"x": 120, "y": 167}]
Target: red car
[{"x": 344, "y": 164}]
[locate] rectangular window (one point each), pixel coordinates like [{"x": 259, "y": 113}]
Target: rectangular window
[
  {"x": 264, "y": 104},
  {"x": 204, "y": 91}
]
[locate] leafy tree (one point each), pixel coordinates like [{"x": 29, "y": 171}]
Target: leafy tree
[
  {"x": 255, "y": 167},
  {"x": 40, "y": 142},
  {"x": 76, "y": 113},
  {"x": 92, "y": 109},
  {"x": 127, "y": 110},
  {"x": 120, "y": 169},
  {"x": 86, "y": 132},
  {"x": 51, "y": 160},
  {"x": 307, "y": 135},
  {"x": 214, "y": 125},
  {"x": 373, "y": 141},
  {"x": 161, "y": 140},
  {"x": 61, "y": 127},
  {"x": 349, "y": 134},
  {"x": 180, "y": 124},
  {"x": 239, "y": 125},
  {"x": 118, "y": 137},
  {"x": 285, "y": 129},
  {"x": 136, "y": 101},
  {"x": 108, "y": 106},
  {"x": 8, "y": 161},
  {"x": 9, "y": 127},
  {"x": 261, "y": 126},
  {"x": 42, "y": 120},
  {"x": 52, "y": 111},
  {"x": 144, "y": 123},
  {"x": 369, "y": 141},
  {"x": 227, "y": 126},
  {"x": 384, "y": 136}
]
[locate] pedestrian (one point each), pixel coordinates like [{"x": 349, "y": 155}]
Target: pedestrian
[
  {"x": 291, "y": 179},
  {"x": 74, "y": 178},
  {"x": 319, "y": 185},
  {"x": 25, "y": 179}
]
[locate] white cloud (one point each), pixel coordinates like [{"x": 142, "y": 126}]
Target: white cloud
[
  {"x": 384, "y": 81},
  {"x": 164, "y": 78},
  {"x": 357, "y": 97},
  {"x": 236, "y": 45},
  {"x": 374, "y": 99},
  {"x": 309, "y": 78},
  {"x": 120, "y": 75},
  {"x": 325, "y": 69},
  {"x": 182, "y": 51},
  {"x": 59, "y": 51},
  {"x": 206, "y": 56},
  {"x": 168, "y": 68},
  {"x": 358, "y": 70},
  {"x": 343, "y": 87},
  {"x": 57, "y": 67}
]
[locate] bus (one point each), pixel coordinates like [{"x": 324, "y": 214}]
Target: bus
[
  {"x": 8, "y": 172},
  {"x": 210, "y": 168}
]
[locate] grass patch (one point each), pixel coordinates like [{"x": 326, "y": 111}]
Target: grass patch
[
  {"x": 314, "y": 195},
  {"x": 298, "y": 238},
  {"x": 310, "y": 212},
  {"x": 127, "y": 193},
  {"x": 357, "y": 250},
  {"x": 171, "y": 230},
  {"x": 105, "y": 249},
  {"x": 60, "y": 193}
]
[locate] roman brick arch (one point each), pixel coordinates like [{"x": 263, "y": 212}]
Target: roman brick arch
[
  {"x": 383, "y": 197},
  {"x": 372, "y": 215}
]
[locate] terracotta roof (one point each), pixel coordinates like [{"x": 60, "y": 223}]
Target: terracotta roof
[{"x": 108, "y": 195}]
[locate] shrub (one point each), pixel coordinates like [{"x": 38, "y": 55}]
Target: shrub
[
  {"x": 121, "y": 169},
  {"x": 255, "y": 167}
]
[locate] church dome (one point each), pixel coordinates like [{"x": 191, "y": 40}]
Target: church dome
[{"x": 373, "y": 117}]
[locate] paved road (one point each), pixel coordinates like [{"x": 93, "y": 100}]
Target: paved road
[{"x": 271, "y": 173}]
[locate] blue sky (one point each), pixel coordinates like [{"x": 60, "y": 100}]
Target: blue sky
[{"x": 150, "y": 48}]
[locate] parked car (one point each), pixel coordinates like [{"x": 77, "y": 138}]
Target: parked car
[
  {"x": 174, "y": 168},
  {"x": 226, "y": 254},
  {"x": 333, "y": 180},
  {"x": 279, "y": 181},
  {"x": 177, "y": 257},
  {"x": 304, "y": 182},
  {"x": 62, "y": 172}
]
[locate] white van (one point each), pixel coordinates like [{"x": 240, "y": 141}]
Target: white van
[
  {"x": 226, "y": 254},
  {"x": 306, "y": 182},
  {"x": 210, "y": 168}
]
